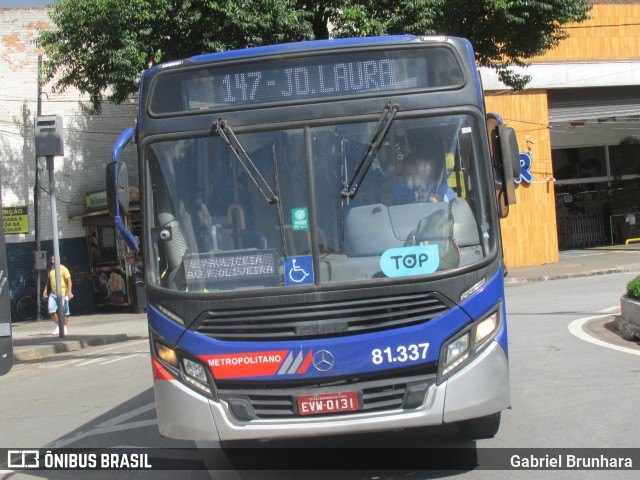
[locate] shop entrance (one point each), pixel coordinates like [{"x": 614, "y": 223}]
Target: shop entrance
[
  {"x": 597, "y": 194},
  {"x": 115, "y": 270}
]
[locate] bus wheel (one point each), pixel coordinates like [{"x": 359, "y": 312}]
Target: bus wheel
[{"x": 483, "y": 427}]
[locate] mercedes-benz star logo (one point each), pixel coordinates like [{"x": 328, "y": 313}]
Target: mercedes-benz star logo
[{"x": 323, "y": 361}]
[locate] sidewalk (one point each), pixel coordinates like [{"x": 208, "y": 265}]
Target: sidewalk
[
  {"x": 581, "y": 263},
  {"x": 34, "y": 340}
]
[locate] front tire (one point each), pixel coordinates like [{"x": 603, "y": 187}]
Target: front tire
[{"x": 482, "y": 427}]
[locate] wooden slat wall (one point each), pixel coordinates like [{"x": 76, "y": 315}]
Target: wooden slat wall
[
  {"x": 529, "y": 233},
  {"x": 592, "y": 41}
]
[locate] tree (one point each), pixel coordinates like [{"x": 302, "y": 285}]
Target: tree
[
  {"x": 503, "y": 32},
  {"x": 101, "y": 46}
]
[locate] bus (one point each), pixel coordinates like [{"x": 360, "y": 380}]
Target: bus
[{"x": 291, "y": 290}]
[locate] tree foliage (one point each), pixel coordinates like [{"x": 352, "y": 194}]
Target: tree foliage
[
  {"x": 503, "y": 32},
  {"x": 101, "y": 46}
]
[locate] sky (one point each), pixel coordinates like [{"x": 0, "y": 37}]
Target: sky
[{"x": 24, "y": 3}]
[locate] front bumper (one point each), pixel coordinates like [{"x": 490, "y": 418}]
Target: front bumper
[{"x": 480, "y": 388}]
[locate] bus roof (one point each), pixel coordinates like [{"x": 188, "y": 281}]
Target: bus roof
[
  {"x": 303, "y": 46},
  {"x": 298, "y": 47}
]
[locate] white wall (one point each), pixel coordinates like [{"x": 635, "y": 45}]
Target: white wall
[
  {"x": 87, "y": 143},
  {"x": 570, "y": 75}
]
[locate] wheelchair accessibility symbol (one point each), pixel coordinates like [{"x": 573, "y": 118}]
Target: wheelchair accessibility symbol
[{"x": 298, "y": 270}]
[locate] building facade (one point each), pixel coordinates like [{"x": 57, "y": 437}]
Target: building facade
[
  {"x": 81, "y": 171},
  {"x": 578, "y": 121},
  {"x": 579, "y": 118}
]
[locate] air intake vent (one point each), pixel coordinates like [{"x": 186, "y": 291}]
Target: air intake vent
[
  {"x": 390, "y": 391},
  {"x": 318, "y": 320}
]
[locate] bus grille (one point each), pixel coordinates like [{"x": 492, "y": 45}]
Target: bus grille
[
  {"x": 319, "y": 320},
  {"x": 373, "y": 395}
]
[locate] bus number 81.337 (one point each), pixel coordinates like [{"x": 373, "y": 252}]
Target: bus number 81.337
[{"x": 401, "y": 354}]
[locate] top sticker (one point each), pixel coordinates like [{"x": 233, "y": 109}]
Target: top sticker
[{"x": 404, "y": 261}]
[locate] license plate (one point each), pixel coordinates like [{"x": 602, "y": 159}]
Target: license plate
[{"x": 327, "y": 403}]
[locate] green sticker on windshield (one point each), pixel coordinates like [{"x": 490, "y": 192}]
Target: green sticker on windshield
[{"x": 300, "y": 218}]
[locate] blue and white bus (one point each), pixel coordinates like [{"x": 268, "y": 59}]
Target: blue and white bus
[{"x": 291, "y": 289}]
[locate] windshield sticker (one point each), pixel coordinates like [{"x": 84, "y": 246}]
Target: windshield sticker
[
  {"x": 418, "y": 260},
  {"x": 300, "y": 218},
  {"x": 298, "y": 270}
]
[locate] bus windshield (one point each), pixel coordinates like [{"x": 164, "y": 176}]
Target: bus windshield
[{"x": 267, "y": 208}]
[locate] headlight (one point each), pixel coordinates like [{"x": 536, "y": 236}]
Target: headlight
[
  {"x": 457, "y": 352},
  {"x": 485, "y": 328},
  {"x": 167, "y": 354},
  {"x": 463, "y": 348},
  {"x": 458, "y": 348},
  {"x": 196, "y": 370},
  {"x": 192, "y": 373},
  {"x": 196, "y": 375}
]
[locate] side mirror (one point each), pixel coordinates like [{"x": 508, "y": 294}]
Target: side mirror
[
  {"x": 510, "y": 150},
  {"x": 505, "y": 159},
  {"x": 117, "y": 189},
  {"x": 510, "y": 154}
]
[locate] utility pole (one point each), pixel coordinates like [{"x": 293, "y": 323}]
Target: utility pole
[
  {"x": 56, "y": 248},
  {"x": 36, "y": 203},
  {"x": 49, "y": 144}
]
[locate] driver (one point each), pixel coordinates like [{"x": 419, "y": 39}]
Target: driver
[{"x": 419, "y": 182}]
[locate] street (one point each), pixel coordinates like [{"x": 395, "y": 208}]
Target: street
[{"x": 566, "y": 393}]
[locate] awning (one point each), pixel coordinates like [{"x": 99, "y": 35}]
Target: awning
[
  {"x": 98, "y": 217},
  {"x": 601, "y": 103}
]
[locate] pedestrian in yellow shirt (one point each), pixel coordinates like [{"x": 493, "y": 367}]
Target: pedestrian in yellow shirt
[{"x": 67, "y": 295}]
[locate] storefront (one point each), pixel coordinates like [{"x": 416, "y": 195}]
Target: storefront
[
  {"x": 595, "y": 134},
  {"x": 114, "y": 268}
]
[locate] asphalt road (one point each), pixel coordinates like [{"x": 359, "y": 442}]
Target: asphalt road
[{"x": 566, "y": 393}]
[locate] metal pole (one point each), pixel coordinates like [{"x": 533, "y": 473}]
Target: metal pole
[
  {"x": 611, "y": 227},
  {"x": 36, "y": 199},
  {"x": 39, "y": 107},
  {"x": 56, "y": 247}
]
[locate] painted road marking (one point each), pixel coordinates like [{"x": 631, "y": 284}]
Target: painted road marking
[
  {"x": 124, "y": 358},
  {"x": 115, "y": 424},
  {"x": 577, "y": 331},
  {"x": 578, "y": 254}
]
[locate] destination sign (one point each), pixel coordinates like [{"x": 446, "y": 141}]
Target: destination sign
[{"x": 304, "y": 78}]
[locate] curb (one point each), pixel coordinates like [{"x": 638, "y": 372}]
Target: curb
[
  {"x": 604, "y": 331},
  {"x": 25, "y": 354},
  {"x": 629, "y": 330},
  {"x": 524, "y": 280}
]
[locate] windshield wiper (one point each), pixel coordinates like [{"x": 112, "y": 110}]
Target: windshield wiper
[
  {"x": 350, "y": 188},
  {"x": 225, "y": 132},
  {"x": 279, "y": 204}
]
